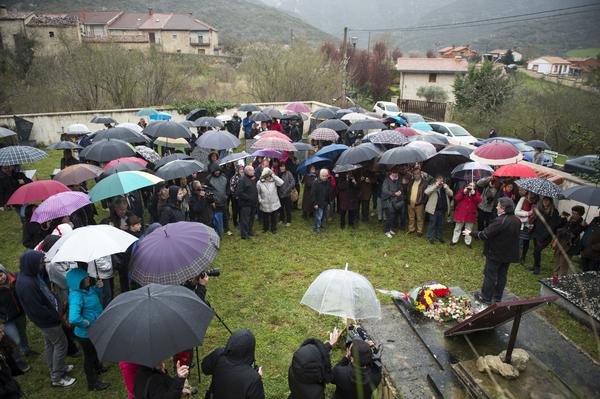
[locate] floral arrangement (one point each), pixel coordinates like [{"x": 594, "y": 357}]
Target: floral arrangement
[
  {"x": 436, "y": 302},
  {"x": 424, "y": 296}
]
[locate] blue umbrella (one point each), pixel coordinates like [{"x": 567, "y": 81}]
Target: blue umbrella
[
  {"x": 423, "y": 126},
  {"x": 331, "y": 151},
  {"x": 161, "y": 116},
  {"x": 315, "y": 161},
  {"x": 397, "y": 120}
]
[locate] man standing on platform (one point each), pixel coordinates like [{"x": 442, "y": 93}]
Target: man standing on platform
[{"x": 501, "y": 248}]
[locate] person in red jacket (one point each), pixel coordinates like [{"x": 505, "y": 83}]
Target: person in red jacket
[{"x": 465, "y": 214}]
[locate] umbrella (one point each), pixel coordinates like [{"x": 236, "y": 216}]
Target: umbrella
[
  {"x": 435, "y": 139},
  {"x": 515, "y": 170},
  {"x": 20, "y": 154},
  {"x": 427, "y": 148},
  {"x": 146, "y": 112},
  {"x": 538, "y": 144},
  {"x": 102, "y": 120},
  {"x": 260, "y": 117},
  {"x": 172, "y": 130},
  {"x": 86, "y": 244},
  {"x": 122, "y": 183},
  {"x": 65, "y": 145},
  {"x": 123, "y": 167},
  {"x": 357, "y": 109},
  {"x": 268, "y": 154},
  {"x": 60, "y": 205},
  {"x": 224, "y": 117},
  {"x": 540, "y": 186},
  {"x": 172, "y": 143},
  {"x": 147, "y": 153},
  {"x": 471, "y": 171},
  {"x": 195, "y": 114},
  {"x": 297, "y": 107},
  {"x": 323, "y": 113},
  {"x": 78, "y": 129},
  {"x": 315, "y": 161},
  {"x": 343, "y": 293},
  {"x": 147, "y": 325},
  {"x": 134, "y": 127},
  {"x": 422, "y": 126},
  {"x": 273, "y": 113},
  {"x": 397, "y": 120},
  {"x": 341, "y": 112},
  {"x": 248, "y": 108},
  {"x": 179, "y": 168},
  {"x": 324, "y": 134},
  {"x": 272, "y": 133},
  {"x": 388, "y": 137},
  {"x": 300, "y": 146},
  {"x": 4, "y": 132},
  {"x": 36, "y": 191},
  {"x": 161, "y": 116},
  {"x": 588, "y": 195},
  {"x": 361, "y": 153},
  {"x": 208, "y": 121},
  {"x": 106, "y": 150},
  {"x": 236, "y": 156},
  {"x": 443, "y": 162},
  {"x": 169, "y": 158},
  {"x": 174, "y": 253},
  {"x": 294, "y": 115},
  {"x": 218, "y": 140},
  {"x": 331, "y": 151},
  {"x": 402, "y": 155},
  {"x": 334, "y": 124},
  {"x": 466, "y": 151},
  {"x": 118, "y": 161},
  {"x": 273, "y": 143},
  {"x": 187, "y": 124},
  {"x": 120, "y": 133},
  {"x": 345, "y": 168},
  {"x": 77, "y": 174},
  {"x": 497, "y": 153},
  {"x": 355, "y": 117},
  {"x": 407, "y": 131}
]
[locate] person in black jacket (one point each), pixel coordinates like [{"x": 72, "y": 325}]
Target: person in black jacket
[
  {"x": 540, "y": 234},
  {"x": 311, "y": 368},
  {"x": 33, "y": 232},
  {"x": 202, "y": 205},
  {"x": 9, "y": 387},
  {"x": 44, "y": 310},
  {"x": 155, "y": 383},
  {"x": 10, "y": 180},
  {"x": 500, "y": 248},
  {"x": 321, "y": 193},
  {"x": 356, "y": 375},
  {"x": 234, "y": 375},
  {"x": 247, "y": 195},
  {"x": 171, "y": 212}
]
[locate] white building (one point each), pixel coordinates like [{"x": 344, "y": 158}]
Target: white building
[
  {"x": 418, "y": 72},
  {"x": 549, "y": 65},
  {"x": 499, "y": 53}
]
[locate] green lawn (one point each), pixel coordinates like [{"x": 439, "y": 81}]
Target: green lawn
[
  {"x": 583, "y": 52},
  {"x": 263, "y": 281}
]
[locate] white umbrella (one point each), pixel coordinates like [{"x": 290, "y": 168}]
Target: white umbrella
[
  {"x": 78, "y": 128},
  {"x": 89, "y": 243},
  {"x": 424, "y": 146},
  {"x": 355, "y": 116},
  {"x": 224, "y": 117},
  {"x": 134, "y": 127},
  {"x": 343, "y": 293}
]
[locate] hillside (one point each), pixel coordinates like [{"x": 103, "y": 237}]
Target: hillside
[{"x": 237, "y": 20}]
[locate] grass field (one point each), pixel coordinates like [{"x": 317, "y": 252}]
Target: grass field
[
  {"x": 264, "y": 279},
  {"x": 583, "y": 52}
]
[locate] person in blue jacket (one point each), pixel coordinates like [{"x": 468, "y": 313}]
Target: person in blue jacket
[{"x": 84, "y": 308}]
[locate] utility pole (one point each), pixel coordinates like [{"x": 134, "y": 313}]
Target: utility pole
[
  {"x": 369, "y": 44},
  {"x": 344, "y": 63}
]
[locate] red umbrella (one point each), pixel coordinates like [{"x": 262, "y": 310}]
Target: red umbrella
[
  {"x": 273, "y": 133},
  {"x": 407, "y": 131},
  {"x": 77, "y": 174},
  {"x": 515, "y": 170},
  {"x": 273, "y": 143},
  {"x": 115, "y": 162},
  {"x": 36, "y": 191},
  {"x": 496, "y": 153},
  {"x": 297, "y": 107}
]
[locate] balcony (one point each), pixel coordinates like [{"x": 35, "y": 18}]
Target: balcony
[
  {"x": 199, "y": 43},
  {"x": 115, "y": 39}
]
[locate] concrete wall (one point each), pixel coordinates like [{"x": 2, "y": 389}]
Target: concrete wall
[
  {"x": 9, "y": 28},
  {"x": 46, "y": 45},
  {"x": 410, "y": 83}
]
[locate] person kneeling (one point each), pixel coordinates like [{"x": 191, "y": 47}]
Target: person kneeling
[{"x": 357, "y": 375}]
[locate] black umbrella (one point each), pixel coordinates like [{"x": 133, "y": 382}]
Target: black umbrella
[
  {"x": 402, "y": 155},
  {"x": 4, "y": 132},
  {"x": 65, "y": 145},
  {"x": 345, "y": 168},
  {"x": 436, "y": 140},
  {"x": 341, "y": 112},
  {"x": 102, "y": 120},
  {"x": 150, "y": 324},
  {"x": 123, "y": 167},
  {"x": 361, "y": 153},
  {"x": 273, "y": 113},
  {"x": 168, "y": 129},
  {"x": 218, "y": 140},
  {"x": 195, "y": 114},
  {"x": 300, "y": 146},
  {"x": 335, "y": 124},
  {"x": 106, "y": 150},
  {"x": 187, "y": 124},
  {"x": 366, "y": 125},
  {"x": 538, "y": 144},
  {"x": 588, "y": 195},
  {"x": 323, "y": 113},
  {"x": 208, "y": 121},
  {"x": 260, "y": 117},
  {"x": 466, "y": 151},
  {"x": 169, "y": 158},
  {"x": 120, "y": 133},
  {"x": 360, "y": 110},
  {"x": 248, "y": 108},
  {"x": 443, "y": 162},
  {"x": 291, "y": 115},
  {"x": 179, "y": 168}
]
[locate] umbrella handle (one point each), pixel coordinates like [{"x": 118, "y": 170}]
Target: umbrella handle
[{"x": 97, "y": 273}]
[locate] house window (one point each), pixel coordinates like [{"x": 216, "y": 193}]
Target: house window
[
  {"x": 51, "y": 34},
  {"x": 432, "y": 77},
  {"x": 174, "y": 35},
  {"x": 179, "y": 50},
  {"x": 201, "y": 51},
  {"x": 200, "y": 39}
]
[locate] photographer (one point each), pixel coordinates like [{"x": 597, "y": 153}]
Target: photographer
[
  {"x": 202, "y": 205},
  {"x": 438, "y": 207},
  {"x": 356, "y": 375},
  {"x": 465, "y": 214},
  {"x": 232, "y": 368}
]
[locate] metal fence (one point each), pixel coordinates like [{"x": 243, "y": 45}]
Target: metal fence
[{"x": 431, "y": 110}]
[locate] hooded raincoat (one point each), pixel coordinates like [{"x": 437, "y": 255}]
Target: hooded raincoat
[{"x": 84, "y": 303}]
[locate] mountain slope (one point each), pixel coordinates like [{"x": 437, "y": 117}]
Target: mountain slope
[{"x": 237, "y": 20}]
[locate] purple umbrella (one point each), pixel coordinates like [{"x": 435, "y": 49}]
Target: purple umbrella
[
  {"x": 174, "y": 253},
  {"x": 60, "y": 205},
  {"x": 268, "y": 154}
]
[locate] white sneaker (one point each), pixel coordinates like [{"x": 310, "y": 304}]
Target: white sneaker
[
  {"x": 389, "y": 235},
  {"x": 64, "y": 382},
  {"x": 69, "y": 368}
]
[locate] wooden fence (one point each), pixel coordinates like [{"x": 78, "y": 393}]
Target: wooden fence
[{"x": 429, "y": 110}]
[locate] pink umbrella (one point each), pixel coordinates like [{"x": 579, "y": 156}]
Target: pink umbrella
[
  {"x": 273, "y": 133},
  {"x": 115, "y": 162},
  {"x": 60, "y": 205},
  {"x": 407, "y": 131},
  {"x": 273, "y": 143},
  {"x": 297, "y": 107},
  {"x": 36, "y": 191},
  {"x": 496, "y": 153}
]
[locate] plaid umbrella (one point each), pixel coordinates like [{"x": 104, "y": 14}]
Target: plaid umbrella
[
  {"x": 324, "y": 134},
  {"x": 273, "y": 143},
  {"x": 20, "y": 154},
  {"x": 540, "y": 186},
  {"x": 147, "y": 153},
  {"x": 174, "y": 253},
  {"x": 388, "y": 137},
  {"x": 36, "y": 191},
  {"x": 60, "y": 205},
  {"x": 77, "y": 174}
]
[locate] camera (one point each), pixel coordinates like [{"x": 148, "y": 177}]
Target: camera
[
  {"x": 357, "y": 332},
  {"x": 216, "y": 272}
]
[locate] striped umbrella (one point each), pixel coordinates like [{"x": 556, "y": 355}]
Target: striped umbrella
[
  {"x": 324, "y": 134},
  {"x": 60, "y": 205},
  {"x": 20, "y": 154},
  {"x": 122, "y": 183}
]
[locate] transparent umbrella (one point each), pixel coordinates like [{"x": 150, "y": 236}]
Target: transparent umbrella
[{"x": 343, "y": 293}]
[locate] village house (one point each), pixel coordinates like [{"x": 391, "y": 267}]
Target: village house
[
  {"x": 457, "y": 51},
  {"x": 582, "y": 65},
  {"x": 418, "y": 72},
  {"x": 499, "y": 53},
  {"x": 549, "y": 65}
]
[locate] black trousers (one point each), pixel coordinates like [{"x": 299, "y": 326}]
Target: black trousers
[
  {"x": 235, "y": 212},
  {"x": 494, "y": 280},
  {"x": 286, "y": 209},
  {"x": 538, "y": 247},
  {"x": 352, "y": 216},
  {"x": 246, "y": 221},
  {"x": 91, "y": 364},
  {"x": 364, "y": 210},
  {"x": 270, "y": 220}
]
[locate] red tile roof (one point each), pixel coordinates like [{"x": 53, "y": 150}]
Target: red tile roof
[
  {"x": 129, "y": 21},
  {"x": 186, "y": 22},
  {"x": 96, "y": 17},
  {"x": 434, "y": 65},
  {"x": 159, "y": 21}
]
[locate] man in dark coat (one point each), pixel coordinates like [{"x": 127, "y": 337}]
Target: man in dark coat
[
  {"x": 321, "y": 192},
  {"x": 232, "y": 368},
  {"x": 500, "y": 248},
  {"x": 348, "y": 196},
  {"x": 233, "y": 125},
  {"x": 247, "y": 195},
  {"x": 10, "y": 181},
  {"x": 356, "y": 372},
  {"x": 590, "y": 244}
]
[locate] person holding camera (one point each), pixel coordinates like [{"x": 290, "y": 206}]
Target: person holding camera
[
  {"x": 357, "y": 375},
  {"x": 202, "y": 205},
  {"x": 438, "y": 207},
  {"x": 234, "y": 373},
  {"x": 268, "y": 199},
  {"x": 465, "y": 214},
  {"x": 392, "y": 201}
]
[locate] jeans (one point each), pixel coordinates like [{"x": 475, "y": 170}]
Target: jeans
[
  {"x": 270, "y": 220},
  {"x": 91, "y": 364},
  {"x": 364, "y": 210},
  {"x": 320, "y": 217},
  {"x": 246, "y": 221},
  {"x": 225, "y": 212},
  {"x": 352, "y": 216},
  {"x": 435, "y": 227},
  {"x": 458, "y": 228},
  {"x": 494, "y": 280},
  {"x": 55, "y": 346},
  {"x": 389, "y": 218},
  {"x": 16, "y": 329},
  {"x": 286, "y": 209},
  {"x": 107, "y": 291}
]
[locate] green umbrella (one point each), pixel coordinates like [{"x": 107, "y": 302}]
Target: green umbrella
[
  {"x": 122, "y": 183},
  {"x": 146, "y": 112}
]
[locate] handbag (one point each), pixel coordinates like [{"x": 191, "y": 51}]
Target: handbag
[
  {"x": 294, "y": 195},
  {"x": 398, "y": 204}
]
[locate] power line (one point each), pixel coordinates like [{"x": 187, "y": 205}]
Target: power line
[{"x": 487, "y": 21}]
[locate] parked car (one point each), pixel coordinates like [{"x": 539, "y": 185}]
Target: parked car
[
  {"x": 526, "y": 150},
  {"x": 584, "y": 164},
  {"x": 385, "y": 108},
  {"x": 456, "y": 134},
  {"x": 412, "y": 117}
]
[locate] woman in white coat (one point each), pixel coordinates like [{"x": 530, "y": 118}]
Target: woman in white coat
[{"x": 268, "y": 200}]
